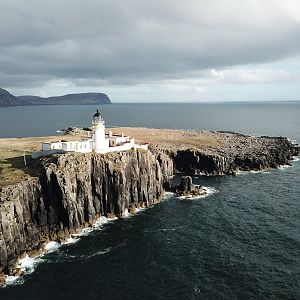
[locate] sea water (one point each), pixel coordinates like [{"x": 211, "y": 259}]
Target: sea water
[{"x": 240, "y": 242}]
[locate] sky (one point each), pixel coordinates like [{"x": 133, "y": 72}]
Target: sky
[{"x": 152, "y": 50}]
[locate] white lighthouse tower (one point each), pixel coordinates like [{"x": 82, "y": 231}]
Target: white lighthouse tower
[{"x": 100, "y": 143}]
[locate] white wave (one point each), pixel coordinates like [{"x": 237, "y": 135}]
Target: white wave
[
  {"x": 296, "y": 158},
  {"x": 139, "y": 209},
  {"x": 252, "y": 172},
  {"x": 70, "y": 240},
  {"x": 126, "y": 214},
  {"x": 28, "y": 264},
  {"x": 167, "y": 195},
  {"x": 86, "y": 230},
  {"x": 209, "y": 191},
  {"x": 52, "y": 246},
  {"x": 98, "y": 225},
  {"x": 12, "y": 280},
  {"x": 283, "y": 167}
]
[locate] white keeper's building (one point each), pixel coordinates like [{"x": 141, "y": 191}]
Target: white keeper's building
[{"x": 99, "y": 142}]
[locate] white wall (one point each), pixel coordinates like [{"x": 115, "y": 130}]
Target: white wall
[
  {"x": 99, "y": 137},
  {"x": 87, "y": 145}
]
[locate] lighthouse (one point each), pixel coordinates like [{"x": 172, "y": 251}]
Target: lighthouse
[{"x": 100, "y": 143}]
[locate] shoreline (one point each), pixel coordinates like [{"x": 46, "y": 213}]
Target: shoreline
[
  {"x": 26, "y": 264},
  {"x": 69, "y": 192}
]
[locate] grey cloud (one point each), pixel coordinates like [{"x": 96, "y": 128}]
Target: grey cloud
[{"x": 132, "y": 41}]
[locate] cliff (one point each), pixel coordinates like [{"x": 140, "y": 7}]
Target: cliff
[
  {"x": 71, "y": 191},
  {"x": 7, "y": 99},
  {"x": 220, "y": 153}
]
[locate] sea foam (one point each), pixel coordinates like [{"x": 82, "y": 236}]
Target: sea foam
[
  {"x": 52, "y": 246},
  {"x": 209, "y": 192},
  {"x": 252, "y": 172},
  {"x": 283, "y": 167},
  {"x": 28, "y": 264}
]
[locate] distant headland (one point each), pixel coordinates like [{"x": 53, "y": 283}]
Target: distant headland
[{"x": 7, "y": 99}]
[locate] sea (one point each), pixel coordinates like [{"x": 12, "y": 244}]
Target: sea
[{"x": 242, "y": 241}]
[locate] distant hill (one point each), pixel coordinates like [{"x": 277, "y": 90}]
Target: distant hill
[{"x": 7, "y": 99}]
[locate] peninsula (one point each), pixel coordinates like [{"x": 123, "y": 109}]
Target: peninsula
[
  {"x": 50, "y": 198},
  {"x": 7, "y": 99}
]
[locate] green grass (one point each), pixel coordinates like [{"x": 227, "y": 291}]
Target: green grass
[{"x": 12, "y": 167}]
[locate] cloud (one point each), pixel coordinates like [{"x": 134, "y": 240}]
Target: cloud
[
  {"x": 253, "y": 75},
  {"x": 130, "y": 42}
]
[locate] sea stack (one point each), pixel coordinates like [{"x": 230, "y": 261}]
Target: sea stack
[{"x": 187, "y": 188}]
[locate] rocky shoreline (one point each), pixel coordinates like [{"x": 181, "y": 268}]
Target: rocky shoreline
[
  {"x": 72, "y": 190},
  {"x": 234, "y": 153}
]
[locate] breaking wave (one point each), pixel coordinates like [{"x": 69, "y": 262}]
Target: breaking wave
[
  {"x": 252, "y": 172},
  {"x": 209, "y": 191},
  {"x": 28, "y": 264}
]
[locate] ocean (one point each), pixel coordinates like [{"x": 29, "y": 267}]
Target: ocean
[{"x": 240, "y": 242}]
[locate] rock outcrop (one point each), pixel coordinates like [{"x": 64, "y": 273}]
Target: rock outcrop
[
  {"x": 243, "y": 154},
  {"x": 187, "y": 188},
  {"x": 71, "y": 191}
]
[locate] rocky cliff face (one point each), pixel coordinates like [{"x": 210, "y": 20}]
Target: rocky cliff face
[
  {"x": 245, "y": 154},
  {"x": 71, "y": 192},
  {"x": 73, "y": 189}
]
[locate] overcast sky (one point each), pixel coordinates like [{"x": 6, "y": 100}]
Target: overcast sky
[{"x": 156, "y": 50}]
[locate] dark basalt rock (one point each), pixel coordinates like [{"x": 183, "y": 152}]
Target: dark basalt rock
[
  {"x": 187, "y": 188},
  {"x": 71, "y": 192},
  {"x": 257, "y": 154}
]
